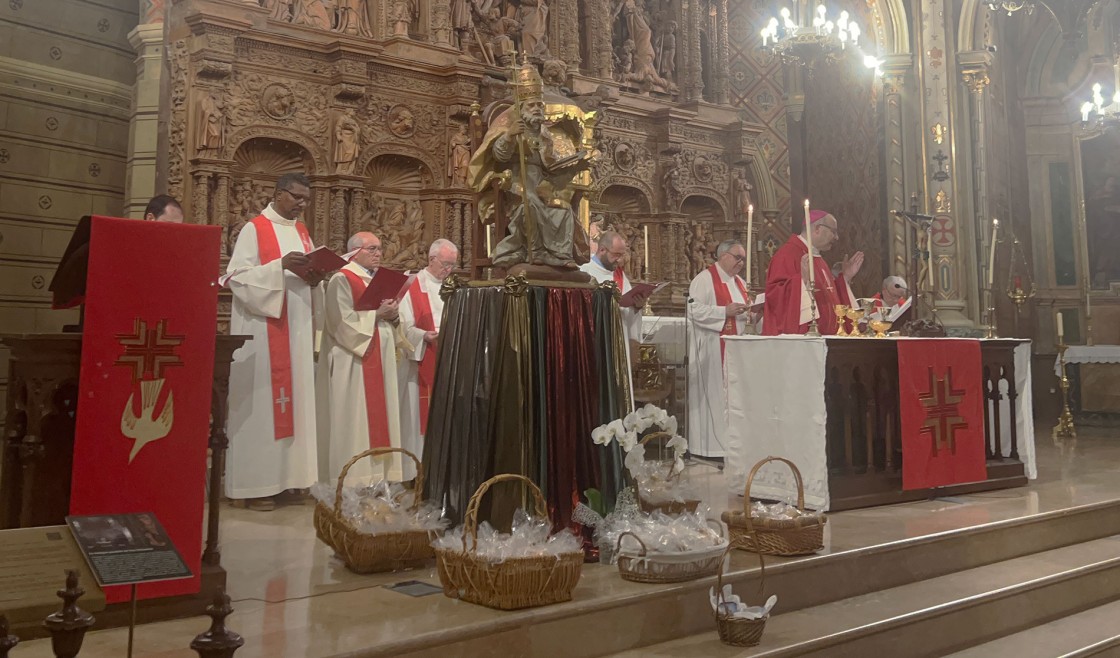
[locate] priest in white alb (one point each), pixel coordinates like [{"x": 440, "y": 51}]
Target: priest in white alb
[
  {"x": 608, "y": 264},
  {"x": 717, "y": 306},
  {"x": 271, "y": 423},
  {"x": 421, "y": 310},
  {"x": 359, "y": 407}
]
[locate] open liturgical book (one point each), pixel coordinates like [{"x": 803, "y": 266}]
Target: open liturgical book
[
  {"x": 385, "y": 284},
  {"x": 640, "y": 288},
  {"x": 321, "y": 261}
]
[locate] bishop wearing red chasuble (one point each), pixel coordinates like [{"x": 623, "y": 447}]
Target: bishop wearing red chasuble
[
  {"x": 717, "y": 307},
  {"x": 421, "y": 311},
  {"x": 788, "y": 309},
  {"x": 272, "y": 378},
  {"x": 357, "y": 379}
]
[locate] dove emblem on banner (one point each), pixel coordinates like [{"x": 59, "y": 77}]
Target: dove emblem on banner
[{"x": 147, "y": 351}]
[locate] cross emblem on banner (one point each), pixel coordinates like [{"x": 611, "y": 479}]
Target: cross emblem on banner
[
  {"x": 283, "y": 401},
  {"x": 148, "y": 350},
  {"x": 942, "y": 405},
  {"x": 942, "y": 231}
]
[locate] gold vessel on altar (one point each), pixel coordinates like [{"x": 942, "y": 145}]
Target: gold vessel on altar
[
  {"x": 880, "y": 327},
  {"x": 855, "y": 315},
  {"x": 841, "y": 313}
]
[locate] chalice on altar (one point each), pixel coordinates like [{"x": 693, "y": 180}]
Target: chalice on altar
[
  {"x": 855, "y": 315},
  {"x": 841, "y": 313},
  {"x": 880, "y": 327}
]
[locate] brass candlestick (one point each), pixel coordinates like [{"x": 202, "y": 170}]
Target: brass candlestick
[
  {"x": 1064, "y": 430},
  {"x": 813, "y": 328}
]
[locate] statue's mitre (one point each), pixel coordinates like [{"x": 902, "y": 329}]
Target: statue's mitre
[{"x": 527, "y": 83}]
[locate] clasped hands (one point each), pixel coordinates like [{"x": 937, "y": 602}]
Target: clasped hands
[{"x": 297, "y": 263}]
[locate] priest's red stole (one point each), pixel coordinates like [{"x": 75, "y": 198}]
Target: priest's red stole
[
  {"x": 723, "y": 298},
  {"x": 279, "y": 346},
  {"x": 941, "y": 399},
  {"x": 422, "y": 312},
  {"x": 373, "y": 376},
  {"x": 619, "y": 278},
  {"x": 146, "y": 383}
]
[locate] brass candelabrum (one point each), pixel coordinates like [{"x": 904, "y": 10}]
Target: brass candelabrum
[
  {"x": 814, "y": 329},
  {"x": 1064, "y": 430}
]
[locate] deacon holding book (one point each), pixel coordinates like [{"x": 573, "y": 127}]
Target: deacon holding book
[
  {"x": 607, "y": 264},
  {"x": 357, "y": 378},
  {"x": 717, "y": 306},
  {"x": 421, "y": 310},
  {"x": 788, "y": 307},
  {"x": 272, "y": 378}
]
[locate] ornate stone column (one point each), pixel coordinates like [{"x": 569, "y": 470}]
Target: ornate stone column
[
  {"x": 974, "y": 68},
  {"x": 694, "y": 91},
  {"x": 721, "y": 79},
  {"x": 440, "y": 22},
  {"x": 565, "y": 38},
  {"x": 220, "y": 214},
  {"x": 896, "y": 69},
  {"x": 140, "y": 168},
  {"x": 934, "y": 31}
]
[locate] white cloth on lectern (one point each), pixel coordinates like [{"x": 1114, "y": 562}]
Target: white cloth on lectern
[
  {"x": 707, "y": 389},
  {"x": 408, "y": 369},
  {"x": 257, "y": 464},
  {"x": 780, "y": 414},
  {"x": 343, "y": 422}
]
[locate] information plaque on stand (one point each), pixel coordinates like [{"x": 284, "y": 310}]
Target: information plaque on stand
[{"x": 126, "y": 549}]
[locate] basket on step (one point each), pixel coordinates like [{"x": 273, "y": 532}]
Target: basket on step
[
  {"x": 514, "y": 583},
  {"x": 670, "y": 506},
  {"x": 738, "y": 631},
  {"x": 798, "y": 536},
  {"x": 653, "y": 567},
  {"x": 365, "y": 552}
]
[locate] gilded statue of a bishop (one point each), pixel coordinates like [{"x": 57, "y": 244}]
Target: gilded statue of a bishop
[{"x": 537, "y": 162}]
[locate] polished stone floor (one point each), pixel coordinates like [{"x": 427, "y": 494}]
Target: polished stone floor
[{"x": 293, "y": 599}]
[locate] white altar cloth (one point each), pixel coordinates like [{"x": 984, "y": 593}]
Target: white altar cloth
[{"x": 772, "y": 411}]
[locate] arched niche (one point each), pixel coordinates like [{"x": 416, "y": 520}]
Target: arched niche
[
  {"x": 622, "y": 199},
  {"x": 257, "y": 163},
  {"x": 698, "y": 208},
  {"x": 394, "y": 210}
]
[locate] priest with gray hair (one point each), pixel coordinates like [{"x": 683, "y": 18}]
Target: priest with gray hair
[{"x": 718, "y": 301}]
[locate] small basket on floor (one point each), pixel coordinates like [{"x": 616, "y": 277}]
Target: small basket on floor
[
  {"x": 365, "y": 552},
  {"x": 669, "y": 506},
  {"x": 803, "y": 535},
  {"x": 652, "y": 567},
  {"x": 738, "y": 631},
  {"x": 513, "y": 583}
]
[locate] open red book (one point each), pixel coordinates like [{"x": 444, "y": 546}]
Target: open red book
[
  {"x": 385, "y": 284},
  {"x": 640, "y": 288},
  {"x": 322, "y": 261}
]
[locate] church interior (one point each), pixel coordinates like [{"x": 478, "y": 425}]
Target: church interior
[{"x": 967, "y": 148}]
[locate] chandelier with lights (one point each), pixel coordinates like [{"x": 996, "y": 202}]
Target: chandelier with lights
[
  {"x": 1096, "y": 113},
  {"x": 804, "y": 36},
  {"x": 1012, "y": 6}
]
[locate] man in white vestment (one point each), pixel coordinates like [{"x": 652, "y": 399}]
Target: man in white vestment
[
  {"x": 608, "y": 264},
  {"x": 717, "y": 306},
  {"x": 271, "y": 423},
  {"x": 421, "y": 311},
  {"x": 359, "y": 407}
]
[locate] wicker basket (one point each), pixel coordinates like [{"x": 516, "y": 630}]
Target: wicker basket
[
  {"x": 647, "y": 567},
  {"x": 515, "y": 583},
  {"x": 801, "y": 536},
  {"x": 737, "y": 631},
  {"x": 372, "y": 553},
  {"x": 671, "y": 506}
]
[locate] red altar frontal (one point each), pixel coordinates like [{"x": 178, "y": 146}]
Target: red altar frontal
[{"x": 878, "y": 421}]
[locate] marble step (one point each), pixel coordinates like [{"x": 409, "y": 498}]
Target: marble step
[
  {"x": 1094, "y": 632},
  {"x": 932, "y": 617}
]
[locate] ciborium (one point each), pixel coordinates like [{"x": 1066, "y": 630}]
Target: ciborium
[
  {"x": 880, "y": 327},
  {"x": 855, "y": 315},
  {"x": 841, "y": 313}
]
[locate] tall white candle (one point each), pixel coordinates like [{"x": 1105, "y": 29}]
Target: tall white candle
[
  {"x": 992, "y": 254},
  {"x": 645, "y": 245},
  {"x": 809, "y": 240},
  {"x": 749, "y": 241},
  {"x": 489, "y": 233},
  {"x": 1061, "y": 328}
]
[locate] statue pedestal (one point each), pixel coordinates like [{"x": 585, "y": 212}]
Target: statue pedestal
[
  {"x": 545, "y": 273},
  {"x": 525, "y": 372}
]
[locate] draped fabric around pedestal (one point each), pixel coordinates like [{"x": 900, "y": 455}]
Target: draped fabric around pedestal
[{"x": 524, "y": 374}]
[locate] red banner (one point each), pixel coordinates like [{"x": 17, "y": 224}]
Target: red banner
[
  {"x": 941, "y": 399},
  {"x": 146, "y": 380}
]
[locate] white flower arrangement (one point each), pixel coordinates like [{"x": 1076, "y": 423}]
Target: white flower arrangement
[{"x": 627, "y": 430}]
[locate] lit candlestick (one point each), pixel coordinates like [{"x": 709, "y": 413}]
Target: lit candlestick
[
  {"x": 1061, "y": 329},
  {"x": 750, "y": 239},
  {"x": 992, "y": 254},
  {"x": 809, "y": 241},
  {"x": 645, "y": 245}
]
